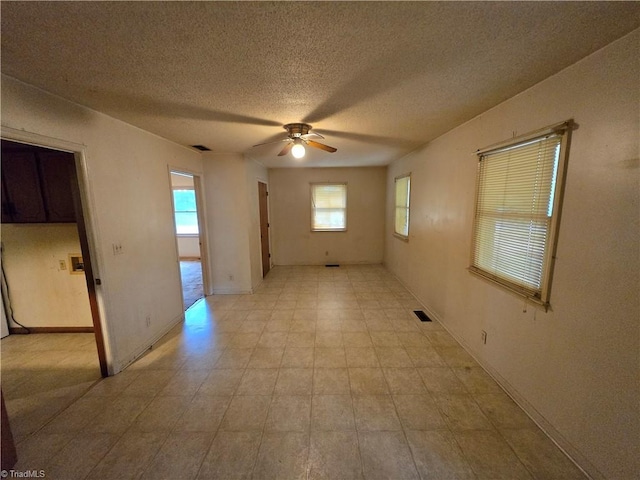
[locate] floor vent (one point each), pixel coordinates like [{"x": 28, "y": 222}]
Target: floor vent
[
  {"x": 422, "y": 316},
  {"x": 332, "y": 265}
]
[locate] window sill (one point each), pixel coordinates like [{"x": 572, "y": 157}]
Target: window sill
[
  {"x": 401, "y": 237},
  {"x": 527, "y": 296}
]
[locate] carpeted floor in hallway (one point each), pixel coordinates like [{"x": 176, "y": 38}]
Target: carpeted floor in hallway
[{"x": 192, "y": 290}]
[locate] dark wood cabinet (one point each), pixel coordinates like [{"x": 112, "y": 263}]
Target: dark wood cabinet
[
  {"x": 56, "y": 170},
  {"x": 36, "y": 185},
  {"x": 22, "y": 189}
]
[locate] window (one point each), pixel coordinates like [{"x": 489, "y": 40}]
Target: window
[
  {"x": 403, "y": 191},
  {"x": 517, "y": 211},
  {"x": 186, "y": 215},
  {"x": 328, "y": 207}
]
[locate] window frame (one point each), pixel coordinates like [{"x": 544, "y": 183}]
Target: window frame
[
  {"x": 541, "y": 295},
  {"x": 175, "y": 210},
  {"x": 312, "y": 187},
  {"x": 397, "y": 234}
]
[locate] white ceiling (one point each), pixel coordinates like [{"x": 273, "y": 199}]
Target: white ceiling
[{"x": 377, "y": 79}]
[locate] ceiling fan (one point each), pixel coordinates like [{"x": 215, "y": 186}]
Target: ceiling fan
[{"x": 297, "y": 137}]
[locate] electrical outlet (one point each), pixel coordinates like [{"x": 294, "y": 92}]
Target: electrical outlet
[
  {"x": 326, "y": 253},
  {"x": 117, "y": 248},
  {"x": 148, "y": 321},
  {"x": 62, "y": 264},
  {"x": 484, "y": 337},
  {"x": 231, "y": 277}
]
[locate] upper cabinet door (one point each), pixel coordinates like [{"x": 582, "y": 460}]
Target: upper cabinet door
[
  {"x": 57, "y": 171},
  {"x": 22, "y": 199},
  {"x": 37, "y": 185}
]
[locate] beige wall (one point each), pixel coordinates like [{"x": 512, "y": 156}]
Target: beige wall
[
  {"x": 128, "y": 195},
  {"x": 292, "y": 240},
  {"x": 231, "y": 200},
  {"x": 43, "y": 294},
  {"x": 574, "y": 368}
]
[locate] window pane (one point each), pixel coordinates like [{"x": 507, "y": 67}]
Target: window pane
[
  {"x": 330, "y": 196},
  {"x": 513, "y": 249},
  {"x": 186, "y": 223},
  {"x": 514, "y": 210},
  {"x": 184, "y": 200},
  {"x": 186, "y": 217},
  {"x": 327, "y": 219},
  {"x": 402, "y": 205},
  {"x": 402, "y": 221},
  {"x": 329, "y": 207}
]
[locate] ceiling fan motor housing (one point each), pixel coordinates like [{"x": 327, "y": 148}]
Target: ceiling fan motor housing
[{"x": 297, "y": 129}]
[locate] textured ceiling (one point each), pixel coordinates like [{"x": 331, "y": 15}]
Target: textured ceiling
[{"x": 377, "y": 79}]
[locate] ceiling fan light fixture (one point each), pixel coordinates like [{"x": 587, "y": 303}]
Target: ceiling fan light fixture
[
  {"x": 297, "y": 140},
  {"x": 298, "y": 150}
]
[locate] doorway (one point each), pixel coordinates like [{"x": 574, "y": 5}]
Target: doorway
[
  {"x": 48, "y": 284},
  {"x": 188, "y": 219},
  {"x": 263, "y": 198},
  {"x": 42, "y": 207}
]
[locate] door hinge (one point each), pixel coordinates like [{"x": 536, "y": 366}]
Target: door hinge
[{"x": 269, "y": 255}]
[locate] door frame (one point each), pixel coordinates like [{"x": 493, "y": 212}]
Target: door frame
[
  {"x": 266, "y": 186},
  {"x": 87, "y": 232},
  {"x": 203, "y": 238}
]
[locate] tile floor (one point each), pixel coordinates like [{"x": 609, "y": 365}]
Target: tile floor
[{"x": 323, "y": 373}]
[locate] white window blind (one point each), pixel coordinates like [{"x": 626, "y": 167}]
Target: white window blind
[
  {"x": 403, "y": 190},
  {"x": 328, "y": 207},
  {"x": 514, "y": 226}
]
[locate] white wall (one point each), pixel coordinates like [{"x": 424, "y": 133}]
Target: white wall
[
  {"x": 129, "y": 195},
  {"x": 43, "y": 294},
  {"x": 230, "y": 181},
  {"x": 292, "y": 240},
  {"x": 576, "y": 367}
]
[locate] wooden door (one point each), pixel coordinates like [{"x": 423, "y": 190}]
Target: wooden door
[
  {"x": 8, "y": 454},
  {"x": 90, "y": 280},
  {"x": 264, "y": 227}
]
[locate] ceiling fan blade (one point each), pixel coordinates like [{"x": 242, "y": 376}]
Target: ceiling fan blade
[
  {"x": 311, "y": 133},
  {"x": 321, "y": 146},
  {"x": 275, "y": 141},
  {"x": 286, "y": 149}
]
